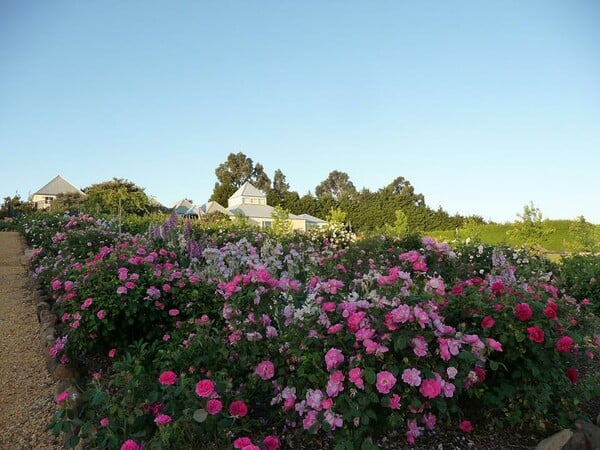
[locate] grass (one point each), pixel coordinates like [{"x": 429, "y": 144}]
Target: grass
[{"x": 560, "y": 241}]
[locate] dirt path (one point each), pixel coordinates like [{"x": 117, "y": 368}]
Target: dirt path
[{"x": 26, "y": 389}]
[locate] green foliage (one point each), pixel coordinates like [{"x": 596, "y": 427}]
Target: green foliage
[
  {"x": 400, "y": 225},
  {"x": 584, "y": 236},
  {"x": 282, "y": 224},
  {"x": 531, "y": 229},
  {"x": 14, "y": 207},
  {"x": 580, "y": 278},
  {"x": 234, "y": 172},
  {"x": 116, "y": 198}
]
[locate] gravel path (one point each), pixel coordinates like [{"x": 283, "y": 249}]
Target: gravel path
[{"x": 26, "y": 389}]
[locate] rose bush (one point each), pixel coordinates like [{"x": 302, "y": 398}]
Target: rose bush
[{"x": 236, "y": 339}]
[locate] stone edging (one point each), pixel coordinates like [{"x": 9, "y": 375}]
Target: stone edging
[{"x": 65, "y": 377}]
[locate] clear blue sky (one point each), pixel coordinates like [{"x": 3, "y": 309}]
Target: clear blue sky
[{"x": 483, "y": 106}]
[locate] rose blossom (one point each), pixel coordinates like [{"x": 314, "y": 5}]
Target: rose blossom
[
  {"x": 333, "y": 358},
  {"x": 536, "y": 334},
  {"x": 168, "y": 377},
  {"x": 265, "y": 370},
  {"x": 130, "y": 444},
  {"x": 385, "y": 382},
  {"x": 487, "y": 322},
  {"x": 238, "y": 408},
  {"x": 162, "y": 419},
  {"x": 564, "y": 344},
  {"x": 466, "y": 426},
  {"x": 523, "y": 311},
  {"x": 214, "y": 406},
  {"x": 430, "y": 388},
  {"x": 204, "y": 388}
]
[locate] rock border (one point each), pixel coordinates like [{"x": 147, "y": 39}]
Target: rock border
[{"x": 64, "y": 376}]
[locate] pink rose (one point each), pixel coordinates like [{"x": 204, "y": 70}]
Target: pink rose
[
  {"x": 130, "y": 445},
  {"x": 487, "y": 322},
  {"x": 465, "y": 426},
  {"x": 536, "y": 334},
  {"x": 564, "y": 344},
  {"x": 214, "y": 406},
  {"x": 385, "y": 382},
  {"x": 167, "y": 378},
  {"x": 204, "y": 388},
  {"x": 430, "y": 388},
  {"x": 162, "y": 419},
  {"x": 523, "y": 311},
  {"x": 333, "y": 358},
  {"x": 271, "y": 443},
  {"x": 238, "y": 408},
  {"x": 265, "y": 370}
]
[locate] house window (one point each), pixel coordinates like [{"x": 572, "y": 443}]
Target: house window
[
  {"x": 267, "y": 224},
  {"x": 47, "y": 200}
]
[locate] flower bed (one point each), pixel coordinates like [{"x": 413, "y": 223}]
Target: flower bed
[{"x": 239, "y": 340}]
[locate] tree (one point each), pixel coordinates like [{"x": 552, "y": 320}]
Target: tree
[
  {"x": 531, "y": 230},
  {"x": 116, "y": 197},
  {"x": 337, "y": 185},
  {"x": 14, "y": 206},
  {"x": 282, "y": 224},
  {"x": 233, "y": 173},
  {"x": 280, "y": 188},
  {"x": 400, "y": 225},
  {"x": 582, "y": 235},
  {"x": 68, "y": 201}
]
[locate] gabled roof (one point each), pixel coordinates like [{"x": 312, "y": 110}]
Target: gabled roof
[
  {"x": 58, "y": 185},
  {"x": 182, "y": 206},
  {"x": 211, "y": 207},
  {"x": 311, "y": 219},
  {"x": 248, "y": 190}
]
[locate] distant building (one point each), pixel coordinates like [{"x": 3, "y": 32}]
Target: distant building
[
  {"x": 251, "y": 203},
  {"x": 43, "y": 198}
]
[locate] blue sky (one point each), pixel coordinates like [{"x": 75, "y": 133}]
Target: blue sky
[{"x": 484, "y": 106}]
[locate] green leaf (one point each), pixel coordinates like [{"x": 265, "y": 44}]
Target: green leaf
[
  {"x": 370, "y": 376},
  {"x": 200, "y": 415}
]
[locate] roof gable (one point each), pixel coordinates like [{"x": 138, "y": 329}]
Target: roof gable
[
  {"x": 248, "y": 190},
  {"x": 58, "y": 185}
]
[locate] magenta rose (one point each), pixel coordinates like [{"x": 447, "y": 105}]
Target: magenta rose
[
  {"x": 204, "y": 388},
  {"x": 523, "y": 311}
]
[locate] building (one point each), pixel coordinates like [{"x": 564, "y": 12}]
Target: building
[
  {"x": 251, "y": 203},
  {"x": 43, "y": 198}
]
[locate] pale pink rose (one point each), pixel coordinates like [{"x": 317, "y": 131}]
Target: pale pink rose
[
  {"x": 333, "y": 358},
  {"x": 265, "y": 370},
  {"x": 412, "y": 377},
  {"x": 385, "y": 382}
]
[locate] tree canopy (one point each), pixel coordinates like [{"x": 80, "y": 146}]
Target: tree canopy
[
  {"x": 234, "y": 172},
  {"x": 115, "y": 197}
]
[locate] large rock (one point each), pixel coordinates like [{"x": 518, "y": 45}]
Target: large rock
[
  {"x": 556, "y": 441},
  {"x": 587, "y": 437}
]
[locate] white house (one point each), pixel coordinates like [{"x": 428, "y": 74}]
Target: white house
[
  {"x": 44, "y": 197},
  {"x": 251, "y": 203}
]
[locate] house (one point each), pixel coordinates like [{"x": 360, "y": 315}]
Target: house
[
  {"x": 43, "y": 198},
  {"x": 251, "y": 203},
  {"x": 182, "y": 206}
]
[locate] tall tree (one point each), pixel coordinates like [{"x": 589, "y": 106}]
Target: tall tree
[
  {"x": 117, "y": 196},
  {"x": 234, "y": 172},
  {"x": 337, "y": 185},
  {"x": 279, "y": 190}
]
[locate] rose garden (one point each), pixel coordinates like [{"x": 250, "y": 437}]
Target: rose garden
[{"x": 211, "y": 338}]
